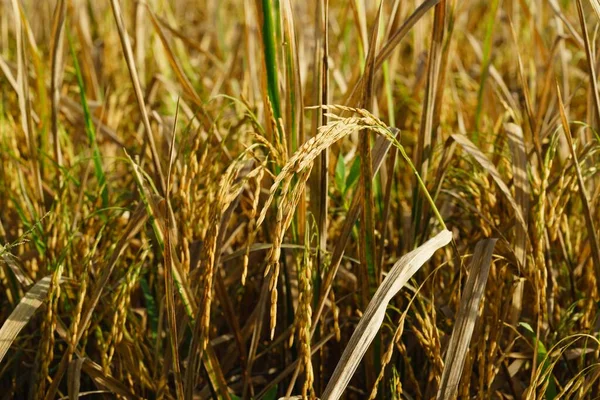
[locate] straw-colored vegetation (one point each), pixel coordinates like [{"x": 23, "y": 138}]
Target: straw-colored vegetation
[{"x": 230, "y": 199}]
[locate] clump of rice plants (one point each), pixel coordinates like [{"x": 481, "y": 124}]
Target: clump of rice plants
[{"x": 261, "y": 199}]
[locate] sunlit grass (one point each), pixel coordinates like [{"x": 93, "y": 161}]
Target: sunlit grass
[{"x": 256, "y": 199}]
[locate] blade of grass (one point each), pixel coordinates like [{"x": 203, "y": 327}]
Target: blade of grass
[
  {"x": 374, "y": 314},
  {"x": 294, "y": 99},
  {"x": 94, "y": 371},
  {"x": 596, "y": 6},
  {"x": 175, "y": 65},
  {"x": 387, "y": 49},
  {"x": 294, "y": 104},
  {"x": 590, "y": 60},
  {"x": 89, "y": 128},
  {"x": 22, "y": 313},
  {"x": 169, "y": 292},
  {"x": 427, "y": 128},
  {"x": 369, "y": 276},
  {"x": 400, "y": 33},
  {"x": 126, "y": 45},
  {"x": 527, "y": 95},
  {"x": 321, "y": 98},
  {"x": 587, "y": 212},
  {"x": 25, "y": 103},
  {"x": 321, "y": 190},
  {"x": 464, "y": 325},
  {"x": 486, "y": 60},
  {"x": 56, "y": 77},
  {"x": 516, "y": 142},
  {"x": 269, "y": 37},
  {"x": 74, "y": 378}
]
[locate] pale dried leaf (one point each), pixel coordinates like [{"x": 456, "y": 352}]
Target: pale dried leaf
[
  {"x": 522, "y": 188},
  {"x": 22, "y": 313},
  {"x": 74, "y": 378},
  {"x": 374, "y": 314},
  {"x": 596, "y": 6},
  {"x": 466, "y": 318}
]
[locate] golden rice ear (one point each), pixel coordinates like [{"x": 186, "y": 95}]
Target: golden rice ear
[{"x": 486, "y": 164}]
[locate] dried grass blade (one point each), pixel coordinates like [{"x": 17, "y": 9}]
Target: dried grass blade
[
  {"x": 486, "y": 164},
  {"x": 556, "y": 8},
  {"x": 590, "y": 59},
  {"x": 74, "y": 378},
  {"x": 126, "y": 45},
  {"x": 215, "y": 374},
  {"x": 25, "y": 101},
  {"x": 56, "y": 77},
  {"x": 373, "y": 316},
  {"x": 321, "y": 98},
  {"x": 391, "y": 44},
  {"x": 466, "y": 318},
  {"x": 94, "y": 371},
  {"x": 22, "y": 313},
  {"x": 527, "y": 95},
  {"x": 516, "y": 142},
  {"x": 427, "y": 128},
  {"x": 169, "y": 267},
  {"x": 367, "y": 225},
  {"x": 181, "y": 77},
  {"x": 596, "y": 6},
  {"x": 587, "y": 212},
  {"x": 369, "y": 276},
  {"x": 21, "y": 276},
  {"x": 433, "y": 74},
  {"x": 89, "y": 128},
  {"x": 398, "y": 35}
]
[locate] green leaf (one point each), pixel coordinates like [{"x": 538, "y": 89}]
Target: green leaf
[
  {"x": 354, "y": 174},
  {"x": 271, "y": 394},
  {"x": 89, "y": 128},
  {"x": 340, "y": 174},
  {"x": 150, "y": 306},
  {"x": 269, "y": 32},
  {"x": 542, "y": 358}
]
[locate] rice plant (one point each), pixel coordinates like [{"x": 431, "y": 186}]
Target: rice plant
[{"x": 264, "y": 199}]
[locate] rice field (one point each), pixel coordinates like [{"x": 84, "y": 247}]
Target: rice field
[{"x": 261, "y": 199}]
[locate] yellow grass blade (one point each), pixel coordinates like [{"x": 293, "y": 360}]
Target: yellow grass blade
[
  {"x": 466, "y": 317},
  {"x": 373, "y": 316},
  {"x": 22, "y": 314},
  {"x": 587, "y": 210},
  {"x": 135, "y": 80}
]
